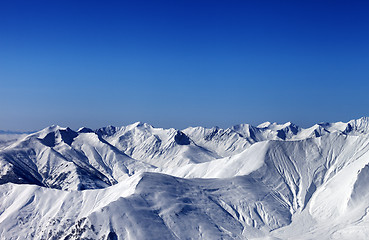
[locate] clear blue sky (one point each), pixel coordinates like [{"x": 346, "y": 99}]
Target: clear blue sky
[{"x": 182, "y": 63}]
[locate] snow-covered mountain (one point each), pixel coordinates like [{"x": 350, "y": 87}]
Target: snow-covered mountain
[
  {"x": 64, "y": 159},
  {"x": 271, "y": 181},
  {"x": 156, "y": 146}
]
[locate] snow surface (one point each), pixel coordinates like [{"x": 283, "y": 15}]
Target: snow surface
[{"x": 273, "y": 181}]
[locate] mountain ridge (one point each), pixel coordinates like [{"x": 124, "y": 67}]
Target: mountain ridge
[{"x": 273, "y": 181}]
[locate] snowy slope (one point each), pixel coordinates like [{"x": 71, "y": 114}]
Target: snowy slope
[
  {"x": 61, "y": 158},
  {"x": 272, "y": 181},
  {"x": 156, "y": 146},
  {"x": 156, "y": 207}
]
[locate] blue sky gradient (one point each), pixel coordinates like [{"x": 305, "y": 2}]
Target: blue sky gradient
[{"x": 182, "y": 63}]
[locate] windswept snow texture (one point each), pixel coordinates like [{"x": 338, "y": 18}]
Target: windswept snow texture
[{"x": 272, "y": 181}]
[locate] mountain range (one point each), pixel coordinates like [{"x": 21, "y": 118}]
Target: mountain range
[{"x": 271, "y": 181}]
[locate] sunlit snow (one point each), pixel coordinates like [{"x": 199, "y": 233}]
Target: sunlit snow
[{"x": 273, "y": 181}]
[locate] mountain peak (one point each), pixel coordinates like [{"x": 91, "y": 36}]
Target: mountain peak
[
  {"x": 85, "y": 130},
  {"x": 181, "y": 138},
  {"x": 142, "y": 125},
  {"x": 264, "y": 125},
  {"x": 56, "y": 134},
  {"x": 107, "y": 131}
]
